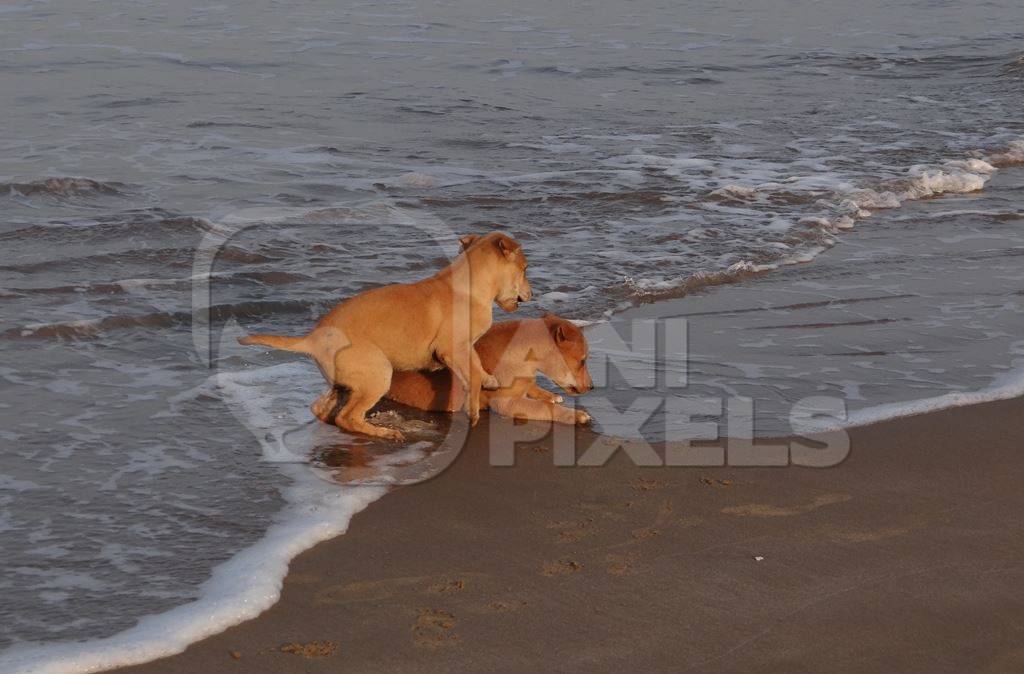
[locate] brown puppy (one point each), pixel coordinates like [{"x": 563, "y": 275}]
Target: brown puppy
[
  {"x": 425, "y": 325},
  {"x": 514, "y": 352}
]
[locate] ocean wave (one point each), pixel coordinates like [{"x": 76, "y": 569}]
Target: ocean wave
[
  {"x": 129, "y": 223},
  {"x": 94, "y": 327},
  {"x": 958, "y": 176},
  {"x": 92, "y": 288},
  {"x": 62, "y": 187},
  {"x": 735, "y": 193},
  {"x": 841, "y": 204},
  {"x": 142, "y": 285},
  {"x": 890, "y": 66},
  {"x": 205, "y": 124},
  {"x": 628, "y": 195},
  {"x": 172, "y": 257},
  {"x": 920, "y": 181},
  {"x": 652, "y": 290},
  {"x": 1011, "y": 155}
]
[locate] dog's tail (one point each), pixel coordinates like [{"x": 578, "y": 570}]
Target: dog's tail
[{"x": 296, "y": 344}]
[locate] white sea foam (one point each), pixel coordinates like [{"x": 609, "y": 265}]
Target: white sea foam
[
  {"x": 417, "y": 179},
  {"x": 1013, "y": 153},
  {"x": 238, "y": 590},
  {"x": 842, "y": 203},
  {"x": 1003, "y": 387},
  {"x": 958, "y": 176},
  {"x": 656, "y": 288},
  {"x": 250, "y": 582},
  {"x": 736, "y": 192}
]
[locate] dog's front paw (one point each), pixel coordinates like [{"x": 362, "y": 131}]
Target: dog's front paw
[
  {"x": 392, "y": 434},
  {"x": 490, "y": 383},
  {"x": 582, "y": 417}
]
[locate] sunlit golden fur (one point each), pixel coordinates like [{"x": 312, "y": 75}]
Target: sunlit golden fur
[
  {"x": 425, "y": 325},
  {"x": 514, "y": 352}
]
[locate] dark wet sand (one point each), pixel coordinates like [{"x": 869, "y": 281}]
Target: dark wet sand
[{"x": 907, "y": 557}]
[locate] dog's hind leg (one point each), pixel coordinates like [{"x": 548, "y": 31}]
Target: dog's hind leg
[
  {"x": 326, "y": 407},
  {"x": 366, "y": 372}
]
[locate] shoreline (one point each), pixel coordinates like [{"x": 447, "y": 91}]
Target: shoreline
[
  {"x": 1002, "y": 388},
  {"x": 488, "y": 565}
]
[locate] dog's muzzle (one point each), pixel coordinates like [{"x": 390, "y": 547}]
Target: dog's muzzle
[
  {"x": 525, "y": 293},
  {"x": 578, "y": 389}
]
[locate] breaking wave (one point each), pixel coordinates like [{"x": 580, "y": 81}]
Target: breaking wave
[{"x": 840, "y": 209}]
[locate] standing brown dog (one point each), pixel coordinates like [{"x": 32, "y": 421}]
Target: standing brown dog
[
  {"x": 514, "y": 352},
  {"x": 425, "y": 325}
]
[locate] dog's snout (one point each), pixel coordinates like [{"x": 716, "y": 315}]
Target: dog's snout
[{"x": 525, "y": 292}]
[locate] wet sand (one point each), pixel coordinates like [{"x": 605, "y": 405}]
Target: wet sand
[{"x": 906, "y": 557}]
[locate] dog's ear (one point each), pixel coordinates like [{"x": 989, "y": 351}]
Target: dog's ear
[
  {"x": 558, "y": 333},
  {"x": 468, "y": 240},
  {"x": 506, "y": 245}
]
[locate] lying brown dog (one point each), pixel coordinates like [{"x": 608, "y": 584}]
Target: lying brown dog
[
  {"x": 425, "y": 325},
  {"x": 514, "y": 352}
]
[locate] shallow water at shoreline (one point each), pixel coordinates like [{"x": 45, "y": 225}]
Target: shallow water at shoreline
[
  {"x": 664, "y": 154},
  {"x": 875, "y": 325}
]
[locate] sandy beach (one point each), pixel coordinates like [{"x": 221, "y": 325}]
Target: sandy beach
[{"x": 905, "y": 557}]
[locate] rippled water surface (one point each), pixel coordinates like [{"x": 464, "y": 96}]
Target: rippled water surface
[{"x": 640, "y": 151}]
